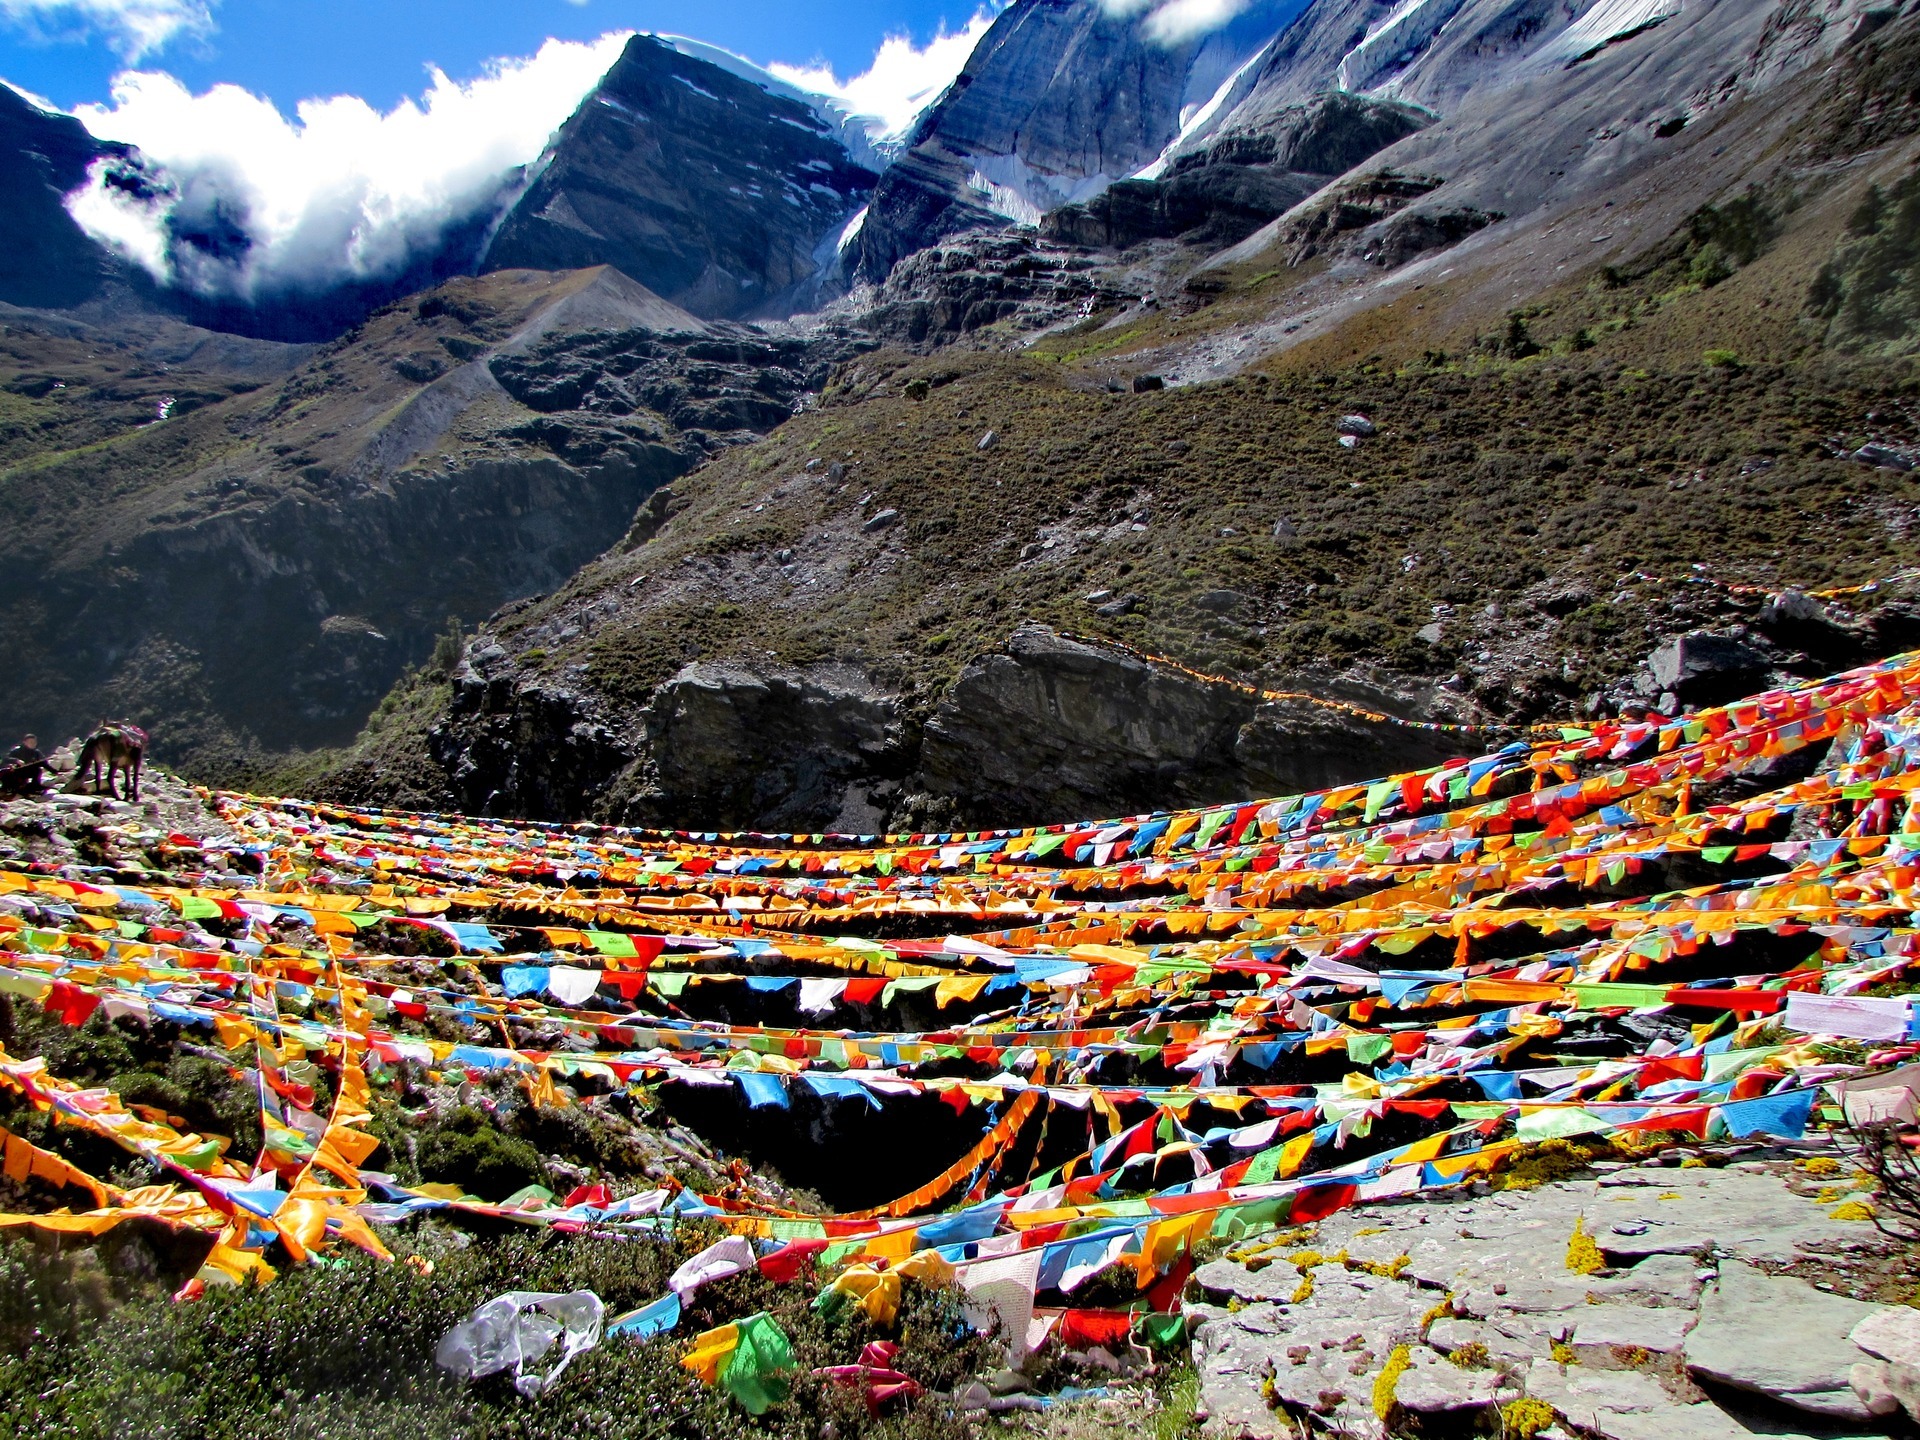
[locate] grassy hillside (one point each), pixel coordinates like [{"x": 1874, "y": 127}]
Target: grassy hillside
[
  {"x": 246, "y": 549},
  {"x": 1684, "y": 419}
]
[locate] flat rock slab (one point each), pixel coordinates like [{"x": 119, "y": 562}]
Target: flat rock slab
[
  {"x": 1433, "y": 1386},
  {"x": 1506, "y": 1341},
  {"x": 1275, "y": 1282},
  {"x": 1234, "y": 1357},
  {"x": 1780, "y": 1337},
  {"x": 1660, "y": 1331},
  {"x": 1625, "y": 1405}
]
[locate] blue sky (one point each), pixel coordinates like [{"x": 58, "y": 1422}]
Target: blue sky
[{"x": 380, "y": 50}]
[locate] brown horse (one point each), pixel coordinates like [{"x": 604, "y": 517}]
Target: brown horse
[{"x": 117, "y": 747}]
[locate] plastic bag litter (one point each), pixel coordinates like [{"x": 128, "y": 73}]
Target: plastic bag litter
[{"x": 517, "y": 1329}]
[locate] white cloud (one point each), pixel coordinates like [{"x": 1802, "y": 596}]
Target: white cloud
[
  {"x": 1170, "y": 22},
  {"x": 135, "y": 28},
  {"x": 247, "y": 201},
  {"x": 341, "y": 191},
  {"x": 902, "y": 81}
]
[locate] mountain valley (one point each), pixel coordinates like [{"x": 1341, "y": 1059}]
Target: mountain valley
[
  {"x": 1210, "y": 733},
  {"x": 776, "y": 497}
]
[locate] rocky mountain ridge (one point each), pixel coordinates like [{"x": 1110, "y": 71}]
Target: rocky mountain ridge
[
  {"x": 43, "y": 157},
  {"x": 1059, "y": 100},
  {"x": 714, "y": 192}
]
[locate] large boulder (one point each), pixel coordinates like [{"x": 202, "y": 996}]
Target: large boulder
[
  {"x": 1288, "y": 746},
  {"x": 1705, "y": 667},
  {"x": 1049, "y": 728},
  {"x": 746, "y": 748},
  {"x": 1779, "y": 1337},
  {"x": 1891, "y": 1380}
]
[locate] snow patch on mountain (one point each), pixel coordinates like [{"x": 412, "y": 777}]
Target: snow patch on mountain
[
  {"x": 1607, "y": 22},
  {"x": 1395, "y": 42},
  {"x": 891, "y": 94},
  {"x": 1197, "y": 122}
]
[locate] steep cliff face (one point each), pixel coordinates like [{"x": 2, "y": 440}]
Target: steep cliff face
[
  {"x": 1042, "y": 725},
  {"x": 723, "y": 197},
  {"x": 47, "y": 259},
  {"x": 1060, "y": 99},
  {"x": 1049, "y": 726},
  {"x": 1523, "y": 104},
  {"x": 1223, "y": 190}
]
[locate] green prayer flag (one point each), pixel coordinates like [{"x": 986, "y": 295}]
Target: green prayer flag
[
  {"x": 1602, "y": 995},
  {"x": 757, "y": 1372},
  {"x": 1264, "y": 1167},
  {"x": 1365, "y": 1049},
  {"x": 1559, "y": 1124},
  {"x": 1162, "y": 1332}
]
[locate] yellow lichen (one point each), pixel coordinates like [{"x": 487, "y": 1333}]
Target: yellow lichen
[
  {"x": 1853, "y": 1210},
  {"x": 1583, "y": 1256},
  {"x": 1385, "y": 1269},
  {"x": 1442, "y": 1311},
  {"x": 1819, "y": 1165},
  {"x": 1632, "y": 1356},
  {"x": 1563, "y": 1354},
  {"x": 1693, "y": 1162},
  {"x": 1387, "y": 1383},
  {"x": 1524, "y": 1418},
  {"x": 1471, "y": 1356},
  {"x": 1262, "y": 1251}
]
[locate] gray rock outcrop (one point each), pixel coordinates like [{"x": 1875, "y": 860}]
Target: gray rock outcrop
[
  {"x": 1223, "y": 191},
  {"x": 1015, "y": 280},
  {"x": 1049, "y": 726},
  {"x": 1703, "y": 664},
  {"x": 1045, "y": 726},
  {"x": 779, "y": 751}
]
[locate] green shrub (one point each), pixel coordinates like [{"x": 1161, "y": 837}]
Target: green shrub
[
  {"x": 346, "y": 1351},
  {"x": 467, "y": 1150}
]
